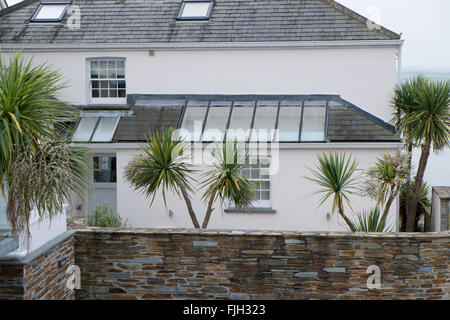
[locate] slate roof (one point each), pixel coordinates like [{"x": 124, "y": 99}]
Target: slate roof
[
  {"x": 154, "y": 21},
  {"x": 346, "y": 122}
]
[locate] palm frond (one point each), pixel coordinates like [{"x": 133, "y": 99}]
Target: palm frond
[{"x": 225, "y": 181}]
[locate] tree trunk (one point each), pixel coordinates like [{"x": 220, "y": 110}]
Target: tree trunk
[
  {"x": 408, "y": 180},
  {"x": 347, "y": 220},
  {"x": 411, "y": 213},
  {"x": 387, "y": 207},
  {"x": 188, "y": 204},
  {"x": 209, "y": 210}
]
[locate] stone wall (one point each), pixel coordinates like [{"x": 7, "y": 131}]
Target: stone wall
[
  {"x": 180, "y": 264},
  {"x": 41, "y": 275}
]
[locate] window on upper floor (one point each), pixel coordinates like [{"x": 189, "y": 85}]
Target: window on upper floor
[
  {"x": 50, "y": 12},
  {"x": 195, "y": 10},
  {"x": 106, "y": 79}
]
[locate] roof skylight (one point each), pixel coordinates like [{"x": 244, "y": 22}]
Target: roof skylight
[
  {"x": 95, "y": 129},
  {"x": 50, "y": 12},
  {"x": 195, "y": 10},
  {"x": 254, "y": 121}
]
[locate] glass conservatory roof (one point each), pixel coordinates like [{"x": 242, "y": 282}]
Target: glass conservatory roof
[
  {"x": 258, "y": 120},
  {"x": 96, "y": 128}
]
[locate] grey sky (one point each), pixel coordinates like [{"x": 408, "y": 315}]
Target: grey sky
[{"x": 425, "y": 25}]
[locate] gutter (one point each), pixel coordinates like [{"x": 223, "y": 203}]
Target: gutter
[
  {"x": 203, "y": 45},
  {"x": 331, "y": 145}
]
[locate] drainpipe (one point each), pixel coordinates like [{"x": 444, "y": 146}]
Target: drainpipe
[{"x": 399, "y": 61}]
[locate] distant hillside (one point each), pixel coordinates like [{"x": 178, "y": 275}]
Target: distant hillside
[{"x": 435, "y": 75}]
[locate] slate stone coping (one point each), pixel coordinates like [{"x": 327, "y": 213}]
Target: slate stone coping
[
  {"x": 39, "y": 251},
  {"x": 250, "y": 210},
  {"x": 7, "y": 245},
  {"x": 253, "y": 233}
]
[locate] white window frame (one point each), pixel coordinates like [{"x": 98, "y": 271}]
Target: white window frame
[
  {"x": 263, "y": 204},
  {"x": 55, "y": 3},
  {"x": 205, "y": 17},
  {"x": 103, "y": 101}
]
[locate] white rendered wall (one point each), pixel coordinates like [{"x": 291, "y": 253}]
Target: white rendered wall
[
  {"x": 293, "y": 199},
  {"x": 363, "y": 76}
]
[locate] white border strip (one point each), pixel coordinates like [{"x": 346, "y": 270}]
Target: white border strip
[
  {"x": 330, "y": 146},
  {"x": 203, "y": 45}
]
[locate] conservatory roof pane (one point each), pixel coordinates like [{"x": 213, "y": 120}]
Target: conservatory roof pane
[
  {"x": 289, "y": 123},
  {"x": 85, "y": 128},
  {"x": 105, "y": 129},
  {"x": 241, "y": 121},
  {"x": 313, "y": 125},
  {"x": 216, "y": 121},
  {"x": 193, "y": 122},
  {"x": 265, "y": 119}
]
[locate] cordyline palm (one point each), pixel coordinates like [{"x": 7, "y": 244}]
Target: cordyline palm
[
  {"x": 385, "y": 179},
  {"x": 426, "y": 122},
  {"x": 402, "y": 102},
  {"x": 28, "y": 110},
  {"x": 224, "y": 181},
  {"x": 37, "y": 167},
  {"x": 424, "y": 203},
  {"x": 42, "y": 178},
  {"x": 162, "y": 166},
  {"x": 335, "y": 175}
]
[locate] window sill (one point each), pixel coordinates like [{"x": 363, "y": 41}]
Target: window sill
[{"x": 251, "y": 210}]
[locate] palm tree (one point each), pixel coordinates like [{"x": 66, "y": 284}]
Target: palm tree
[
  {"x": 28, "y": 110},
  {"x": 335, "y": 175},
  {"x": 162, "y": 165},
  {"x": 42, "y": 177},
  {"x": 385, "y": 179},
  {"x": 423, "y": 206},
  {"x": 225, "y": 182},
  {"x": 38, "y": 168},
  {"x": 426, "y": 122},
  {"x": 402, "y": 102}
]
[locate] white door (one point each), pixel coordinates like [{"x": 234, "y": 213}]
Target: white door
[{"x": 104, "y": 181}]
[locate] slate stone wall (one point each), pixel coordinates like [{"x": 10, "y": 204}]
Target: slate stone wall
[
  {"x": 173, "y": 264},
  {"x": 43, "y": 277}
]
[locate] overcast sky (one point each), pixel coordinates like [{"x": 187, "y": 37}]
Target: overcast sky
[{"x": 425, "y": 25}]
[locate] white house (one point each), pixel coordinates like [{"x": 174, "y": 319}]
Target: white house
[{"x": 315, "y": 71}]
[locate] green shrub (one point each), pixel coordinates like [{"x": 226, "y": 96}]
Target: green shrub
[{"x": 105, "y": 216}]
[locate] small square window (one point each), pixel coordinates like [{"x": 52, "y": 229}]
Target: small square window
[
  {"x": 195, "y": 10},
  {"x": 50, "y": 12}
]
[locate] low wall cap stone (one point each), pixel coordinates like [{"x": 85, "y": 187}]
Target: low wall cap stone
[{"x": 264, "y": 233}]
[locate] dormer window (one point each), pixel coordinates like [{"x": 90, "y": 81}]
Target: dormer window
[
  {"x": 195, "y": 10},
  {"x": 50, "y": 12}
]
